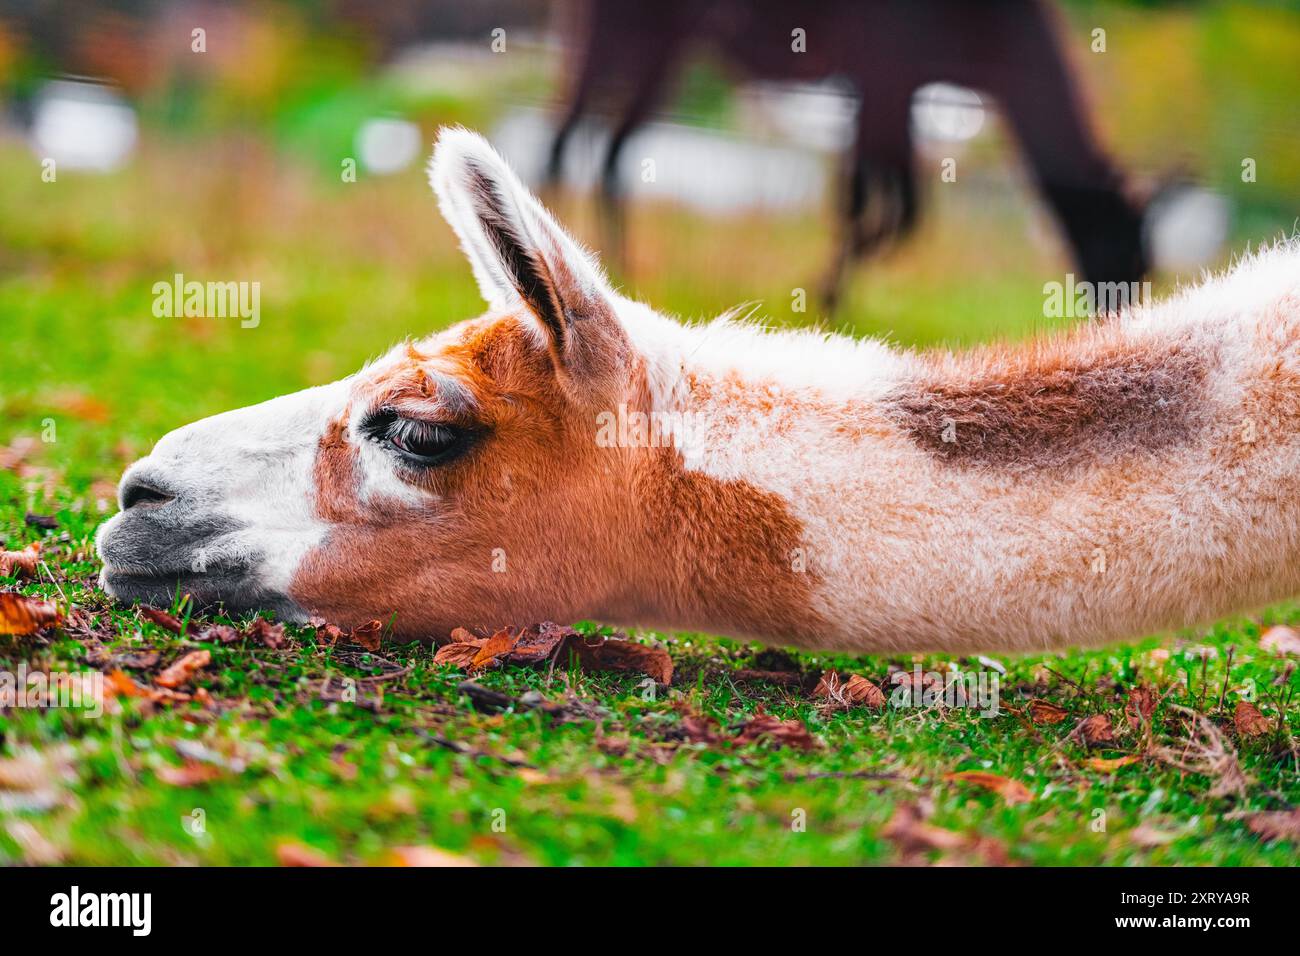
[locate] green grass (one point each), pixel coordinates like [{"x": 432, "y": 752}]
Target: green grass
[{"x": 346, "y": 271}]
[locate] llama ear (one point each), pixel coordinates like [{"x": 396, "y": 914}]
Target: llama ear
[{"x": 519, "y": 253}]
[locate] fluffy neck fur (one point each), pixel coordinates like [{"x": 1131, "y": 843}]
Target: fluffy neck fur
[{"x": 1134, "y": 475}]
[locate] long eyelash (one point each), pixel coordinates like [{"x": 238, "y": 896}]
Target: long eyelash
[
  {"x": 384, "y": 425},
  {"x": 411, "y": 431}
]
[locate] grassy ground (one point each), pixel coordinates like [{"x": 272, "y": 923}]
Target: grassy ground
[{"x": 278, "y": 768}]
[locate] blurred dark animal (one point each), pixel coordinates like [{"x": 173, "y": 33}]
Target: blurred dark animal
[{"x": 628, "y": 52}]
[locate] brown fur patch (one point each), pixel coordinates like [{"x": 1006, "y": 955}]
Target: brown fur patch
[{"x": 1051, "y": 409}]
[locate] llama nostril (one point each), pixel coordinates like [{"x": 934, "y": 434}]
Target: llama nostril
[{"x": 139, "y": 493}]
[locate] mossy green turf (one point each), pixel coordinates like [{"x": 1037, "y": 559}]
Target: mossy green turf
[{"x": 344, "y": 275}]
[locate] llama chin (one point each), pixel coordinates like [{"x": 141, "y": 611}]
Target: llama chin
[{"x": 572, "y": 454}]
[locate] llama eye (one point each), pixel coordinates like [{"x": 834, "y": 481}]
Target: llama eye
[{"x": 419, "y": 442}]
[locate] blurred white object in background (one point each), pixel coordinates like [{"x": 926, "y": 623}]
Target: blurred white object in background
[
  {"x": 944, "y": 114},
  {"x": 819, "y": 116},
  {"x": 1186, "y": 227},
  {"x": 386, "y": 145},
  {"x": 82, "y": 125},
  {"x": 708, "y": 170}
]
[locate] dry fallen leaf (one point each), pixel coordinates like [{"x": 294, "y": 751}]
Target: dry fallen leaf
[
  {"x": 220, "y": 634},
  {"x": 192, "y": 773},
  {"x": 1275, "y": 825},
  {"x": 499, "y": 643},
  {"x": 369, "y": 635},
  {"x": 164, "y": 620},
  {"x": 22, "y": 615},
  {"x": 611, "y": 654},
  {"x": 183, "y": 669},
  {"x": 267, "y": 634},
  {"x": 1045, "y": 712},
  {"x": 1096, "y": 731},
  {"x": 119, "y": 684},
  {"x": 548, "y": 641},
  {"x": 458, "y": 653},
  {"x": 1105, "y": 765},
  {"x": 425, "y": 856},
  {"x": 908, "y": 830},
  {"x": 21, "y": 562},
  {"x": 1139, "y": 707},
  {"x": 1249, "y": 721},
  {"x": 855, "y": 690},
  {"x": 539, "y": 644},
  {"x": 788, "y": 733},
  {"x": 297, "y": 854},
  {"x": 700, "y": 729},
  {"x": 1012, "y": 791},
  {"x": 1281, "y": 640}
]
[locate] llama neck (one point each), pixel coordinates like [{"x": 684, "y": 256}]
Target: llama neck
[{"x": 1130, "y": 477}]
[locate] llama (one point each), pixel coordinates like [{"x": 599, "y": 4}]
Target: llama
[
  {"x": 1133, "y": 475},
  {"x": 885, "y": 51}
]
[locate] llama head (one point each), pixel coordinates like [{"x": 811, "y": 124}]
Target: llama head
[{"x": 457, "y": 480}]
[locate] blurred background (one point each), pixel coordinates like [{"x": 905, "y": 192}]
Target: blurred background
[{"x": 283, "y": 143}]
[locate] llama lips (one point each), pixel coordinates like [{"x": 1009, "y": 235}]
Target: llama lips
[
  {"x": 151, "y": 559},
  {"x": 236, "y": 591}
]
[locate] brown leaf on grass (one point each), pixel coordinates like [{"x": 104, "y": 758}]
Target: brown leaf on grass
[
  {"x": 598, "y": 653},
  {"x": 1045, "y": 712},
  {"x": 459, "y": 653},
  {"x": 17, "y": 453},
  {"x": 908, "y": 830},
  {"x": 369, "y": 635},
  {"x": 328, "y": 634},
  {"x": 23, "y": 615},
  {"x": 21, "y": 562},
  {"x": 1012, "y": 791},
  {"x": 863, "y": 691},
  {"x": 1096, "y": 731},
  {"x": 1275, "y": 825},
  {"x": 119, "y": 684},
  {"x": 191, "y": 773},
  {"x": 1249, "y": 721},
  {"x": 79, "y": 405},
  {"x": 548, "y": 641},
  {"x": 1139, "y": 707},
  {"x": 167, "y": 622},
  {"x": 1205, "y": 751},
  {"x": 183, "y": 669},
  {"x": 298, "y": 854},
  {"x": 785, "y": 733},
  {"x": 498, "y": 644},
  {"x": 425, "y": 856},
  {"x": 1281, "y": 640},
  {"x": 914, "y": 837},
  {"x": 220, "y": 634},
  {"x": 142, "y": 661},
  {"x": 701, "y": 729},
  {"x": 267, "y": 634},
  {"x": 1104, "y": 765},
  {"x": 534, "y": 645},
  {"x": 856, "y": 690}
]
